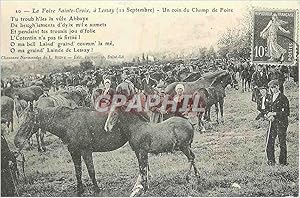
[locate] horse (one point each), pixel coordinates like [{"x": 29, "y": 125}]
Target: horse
[
  {"x": 7, "y": 109},
  {"x": 78, "y": 95},
  {"x": 81, "y": 129},
  {"x": 176, "y": 133},
  {"x": 192, "y": 77},
  {"x": 54, "y": 101},
  {"x": 202, "y": 82},
  {"x": 217, "y": 94},
  {"x": 20, "y": 105},
  {"x": 28, "y": 94}
]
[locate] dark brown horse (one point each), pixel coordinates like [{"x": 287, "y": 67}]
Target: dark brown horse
[
  {"x": 51, "y": 101},
  {"x": 203, "y": 82},
  {"x": 28, "y": 94},
  {"x": 192, "y": 77},
  {"x": 173, "y": 134},
  {"x": 67, "y": 98},
  {"x": 81, "y": 129},
  {"x": 217, "y": 94},
  {"x": 7, "y": 109}
]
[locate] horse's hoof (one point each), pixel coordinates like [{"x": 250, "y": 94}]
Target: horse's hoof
[
  {"x": 96, "y": 190},
  {"x": 80, "y": 191},
  {"x": 187, "y": 178},
  {"x": 137, "y": 191}
]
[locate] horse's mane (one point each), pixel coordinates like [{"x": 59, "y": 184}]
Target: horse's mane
[
  {"x": 213, "y": 74},
  {"x": 218, "y": 79},
  {"x": 142, "y": 116}
]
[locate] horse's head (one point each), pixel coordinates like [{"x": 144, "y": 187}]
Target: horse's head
[
  {"x": 27, "y": 127},
  {"x": 227, "y": 78}
]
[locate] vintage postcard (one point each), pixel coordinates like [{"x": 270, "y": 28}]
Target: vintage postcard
[{"x": 149, "y": 98}]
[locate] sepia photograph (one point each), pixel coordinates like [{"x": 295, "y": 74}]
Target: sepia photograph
[{"x": 149, "y": 98}]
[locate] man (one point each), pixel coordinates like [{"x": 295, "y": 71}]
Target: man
[
  {"x": 7, "y": 161},
  {"x": 259, "y": 79},
  {"x": 261, "y": 103},
  {"x": 108, "y": 91},
  {"x": 169, "y": 78},
  {"x": 148, "y": 83},
  {"x": 276, "y": 74},
  {"x": 278, "y": 112},
  {"x": 156, "y": 115}
]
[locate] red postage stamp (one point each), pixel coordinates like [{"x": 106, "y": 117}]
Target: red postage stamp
[{"x": 274, "y": 37}]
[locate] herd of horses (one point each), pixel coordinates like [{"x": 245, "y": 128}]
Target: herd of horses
[{"x": 84, "y": 130}]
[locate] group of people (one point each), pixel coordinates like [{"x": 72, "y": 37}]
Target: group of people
[
  {"x": 148, "y": 83},
  {"x": 273, "y": 105}
]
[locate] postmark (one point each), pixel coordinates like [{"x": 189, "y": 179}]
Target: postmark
[{"x": 274, "y": 37}]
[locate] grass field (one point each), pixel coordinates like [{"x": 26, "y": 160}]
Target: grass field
[{"x": 230, "y": 157}]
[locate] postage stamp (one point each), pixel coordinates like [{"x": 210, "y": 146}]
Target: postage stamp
[{"x": 274, "y": 37}]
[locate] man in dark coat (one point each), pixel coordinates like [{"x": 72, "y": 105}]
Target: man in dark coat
[
  {"x": 7, "y": 159},
  {"x": 276, "y": 74},
  {"x": 259, "y": 79},
  {"x": 148, "y": 83},
  {"x": 169, "y": 78},
  {"x": 278, "y": 112}
]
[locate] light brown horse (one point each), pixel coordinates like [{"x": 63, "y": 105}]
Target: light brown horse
[
  {"x": 81, "y": 129},
  {"x": 176, "y": 133}
]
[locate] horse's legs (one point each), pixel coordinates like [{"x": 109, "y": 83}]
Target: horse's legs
[
  {"x": 221, "y": 102},
  {"x": 12, "y": 124},
  {"x": 191, "y": 157},
  {"x": 7, "y": 125},
  {"x": 37, "y": 135},
  {"x": 207, "y": 113},
  {"x": 88, "y": 159},
  {"x": 200, "y": 122},
  {"x": 76, "y": 157},
  {"x": 42, "y": 138},
  {"x": 142, "y": 180},
  {"x": 217, "y": 111}
]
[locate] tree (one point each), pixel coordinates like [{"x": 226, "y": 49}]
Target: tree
[{"x": 237, "y": 41}]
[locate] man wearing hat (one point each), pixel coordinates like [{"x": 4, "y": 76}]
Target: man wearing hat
[
  {"x": 156, "y": 115},
  {"x": 259, "y": 79},
  {"x": 278, "y": 112},
  {"x": 276, "y": 74},
  {"x": 169, "y": 78},
  {"x": 108, "y": 90},
  {"x": 101, "y": 91},
  {"x": 148, "y": 82}
]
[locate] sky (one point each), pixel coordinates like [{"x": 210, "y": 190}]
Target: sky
[{"x": 142, "y": 32}]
